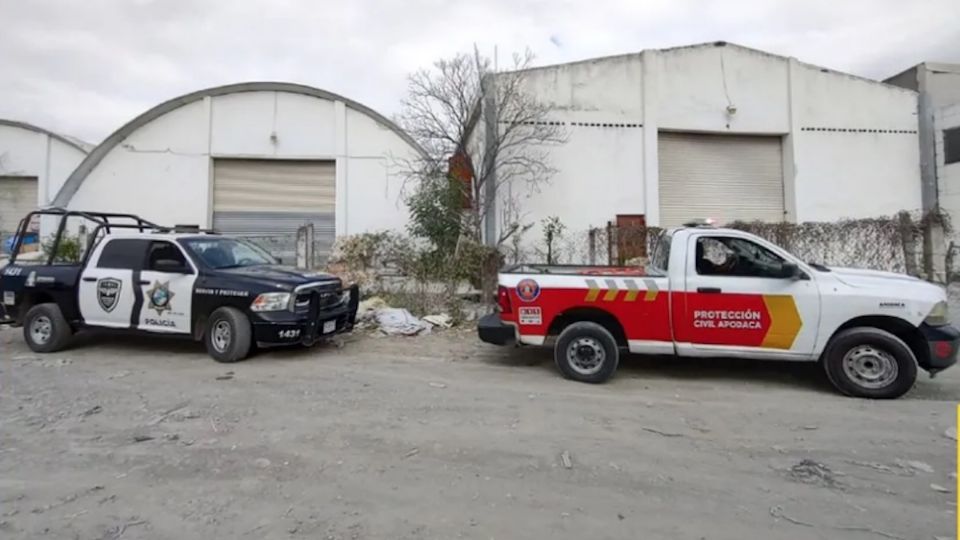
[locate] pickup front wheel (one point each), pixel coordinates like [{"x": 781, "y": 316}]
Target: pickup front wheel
[
  {"x": 871, "y": 363},
  {"x": 228, "y": 336},
  {"x": 586, "y": 352},
  {"x": 45, "y": 329}
]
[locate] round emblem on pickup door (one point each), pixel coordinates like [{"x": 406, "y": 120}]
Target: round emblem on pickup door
[{"x": 528, "y": 290}]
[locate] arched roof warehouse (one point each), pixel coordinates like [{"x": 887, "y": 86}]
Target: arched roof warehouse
[
  {"x": 34, "y": 163},
  {"x": 253, "y": 158},
  {"x": 96, "y": 155}
]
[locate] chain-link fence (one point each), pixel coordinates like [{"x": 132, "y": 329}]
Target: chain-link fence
[
  {"x": 891, "y": 244},
  {"x": 894, "y": 243},
  {"x": 607, "y": 245}
]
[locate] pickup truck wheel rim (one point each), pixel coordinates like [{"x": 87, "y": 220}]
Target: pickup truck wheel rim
[
  {"x": 586, "y": 355},
  {"x": 870, "y": 367},
  {"x": 221, "y": 336},
  {"x": 41, "y": 329}
]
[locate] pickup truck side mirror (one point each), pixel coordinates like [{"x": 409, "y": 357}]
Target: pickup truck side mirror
[
  {"x": 790, "y": 270},
  {"x": 171, "y": 266}
]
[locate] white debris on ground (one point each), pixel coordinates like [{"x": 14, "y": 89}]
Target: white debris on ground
[
  {"x": 374, "y": 312},
  {"x": 442, "y": 320},
  {"x": 367, "y": 309},
  {"x": 400, "y": 322}
]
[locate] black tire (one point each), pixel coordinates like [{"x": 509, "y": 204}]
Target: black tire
[
  {"x": 45, "y": 329},
  {"x": 593, "y": 338},
  {"x": 886, "y": 368},
  {"x": 228, "y": 335}
]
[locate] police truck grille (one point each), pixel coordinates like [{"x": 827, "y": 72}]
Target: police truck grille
[
  {"x": 312, "y": 303},
  {"x": 303, "y": 303}
]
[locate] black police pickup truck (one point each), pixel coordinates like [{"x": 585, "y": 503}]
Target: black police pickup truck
[{"x": 136, "y": 276}]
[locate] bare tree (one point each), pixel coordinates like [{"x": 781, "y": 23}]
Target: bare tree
[{"x": 491, "y": 126}]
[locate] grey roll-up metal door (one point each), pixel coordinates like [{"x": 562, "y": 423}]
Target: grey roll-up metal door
[
  {"x": 18, "y": 197},
  {"x": 724, "y": 177},
  {"x": 270, "y": 199}
]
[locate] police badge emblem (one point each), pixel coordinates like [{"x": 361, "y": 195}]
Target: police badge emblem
[
  {"x": 160, "y": 296},
  {"x": 108, "y": 293}
]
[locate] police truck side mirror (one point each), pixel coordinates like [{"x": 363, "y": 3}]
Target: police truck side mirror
[{"x": 171, "y": 266}]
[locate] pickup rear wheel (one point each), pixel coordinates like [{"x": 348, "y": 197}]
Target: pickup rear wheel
[
  {"x": 228, "y": 336},
  {"x": 45, "y": 329},
  {"x": 586, "y": 352},
  {"x": 871, "y": 363}
]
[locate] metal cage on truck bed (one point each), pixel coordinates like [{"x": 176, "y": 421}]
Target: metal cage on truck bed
[{"x": 103, "y": 223}]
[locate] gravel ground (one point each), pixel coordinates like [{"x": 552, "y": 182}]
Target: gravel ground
[{"x": 444, "y": 437}]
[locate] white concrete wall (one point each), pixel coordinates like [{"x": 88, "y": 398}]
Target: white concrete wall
[
  {"x": 855, "y": 147},
  {"x": 943, "y": 84},
  {"x": 948, "y": 176},
  {"x": 599, "y": 170},
  {"x": 692, "y": 94},
  {"x": 163, "y": 170},
  {"x": 867, "y": 165},
  {"x": 25, "y": 152}
]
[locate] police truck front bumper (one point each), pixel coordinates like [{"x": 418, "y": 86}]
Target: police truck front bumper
[
  {"x": 278, "y": 328},
  {"x": 943, "y": 343}
]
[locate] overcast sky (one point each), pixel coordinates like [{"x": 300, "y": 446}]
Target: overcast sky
[{"x": 84, "y": 67}]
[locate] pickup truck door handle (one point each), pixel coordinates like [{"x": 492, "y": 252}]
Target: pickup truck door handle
[
  {"x": 89, "y": 279},
  {"x": 144, "y": 282},
  {"x": 709, "y": 290}
]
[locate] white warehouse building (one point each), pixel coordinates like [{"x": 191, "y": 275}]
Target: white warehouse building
[
  {"x": 34, "y": 163},
  {"x": 719, "y": 131},
  {"x": 260, "y": 158}
]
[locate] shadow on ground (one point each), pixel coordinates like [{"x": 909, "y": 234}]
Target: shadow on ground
[
  {"x": 182, "y": 346},
  {"x": 805, "y": 375},
  {"x": 648, "y": 369}
]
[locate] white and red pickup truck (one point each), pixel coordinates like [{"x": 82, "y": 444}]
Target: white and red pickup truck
[{"x": 711, "y": 292}]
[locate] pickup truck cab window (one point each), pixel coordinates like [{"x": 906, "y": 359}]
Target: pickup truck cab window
[
  {"x": 661, "y": 255},
  {"x": 123, "y": 253},
  {"x": 164, "y": 257},
  {"x": 731, "y": 256},
  {"x": 222, "y": 253}
]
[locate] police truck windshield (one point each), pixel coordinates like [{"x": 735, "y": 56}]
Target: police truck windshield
[{"x": 221, "y": 253}]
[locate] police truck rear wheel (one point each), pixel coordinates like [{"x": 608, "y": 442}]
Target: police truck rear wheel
[
  {"x": 870, "y": 363},
  {"x": 228, "y": 336},
  {"x": 45, "y": 329},
  {"x": 586, "y": 352}
]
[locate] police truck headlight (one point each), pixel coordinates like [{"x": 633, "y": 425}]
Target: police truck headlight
[
  {"x": 272, "y": 301},
  {"x": 939, "y": 315},
  {"x": 344, "y": 297}
]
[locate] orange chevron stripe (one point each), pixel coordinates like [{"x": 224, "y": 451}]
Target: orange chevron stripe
[{"x": 785, "y": 322}]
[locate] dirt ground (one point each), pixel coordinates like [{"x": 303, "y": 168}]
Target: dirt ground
[{"x": 445, "y": 437}]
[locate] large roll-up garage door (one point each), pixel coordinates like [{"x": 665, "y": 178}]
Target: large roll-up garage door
[
  {"x": 270, "y": 199},
  {"x": 18, "y": 196},
  {"x": 724, "y": 177}
]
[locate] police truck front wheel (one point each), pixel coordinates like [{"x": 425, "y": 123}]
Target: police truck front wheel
[
  {"x": 228, "y": 336},
  {"x": 871, "y": 363},
  {"x": 586, "y": 352},
  {"x": 45, "y": 329}
]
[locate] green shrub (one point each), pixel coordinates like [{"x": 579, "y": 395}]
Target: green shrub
[{"x": 69, "y": 250}]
